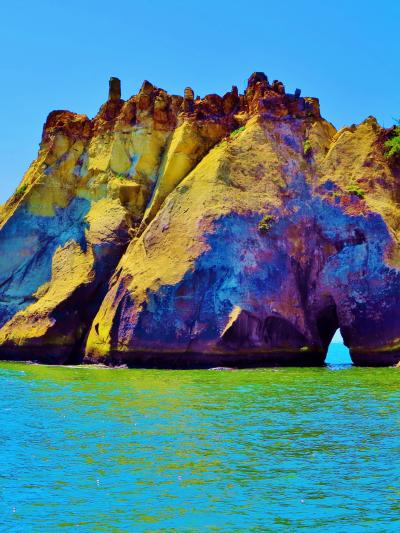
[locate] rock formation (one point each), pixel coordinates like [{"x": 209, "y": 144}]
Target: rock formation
[{"x": 181, "y": 232}]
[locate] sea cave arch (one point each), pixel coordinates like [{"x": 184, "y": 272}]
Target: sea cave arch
[
  {"x": 338, "y": 353},
  {"x": 331, "y": 335}
]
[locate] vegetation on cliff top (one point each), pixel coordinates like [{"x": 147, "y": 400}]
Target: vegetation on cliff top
[
  {"x": 392, "y": 145},
  {"x": 20, "y": 191}
]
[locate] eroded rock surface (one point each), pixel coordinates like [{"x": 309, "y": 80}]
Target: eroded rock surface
[{"x": 173, "y": 231}]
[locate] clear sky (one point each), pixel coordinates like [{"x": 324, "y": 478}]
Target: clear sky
[{"x": 59, "y": 55}]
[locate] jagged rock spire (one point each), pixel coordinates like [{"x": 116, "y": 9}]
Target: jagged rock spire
[{"x": 114, "y": 91}]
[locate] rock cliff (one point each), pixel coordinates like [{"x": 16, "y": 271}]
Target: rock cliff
[{"x": 184, "y": 232}]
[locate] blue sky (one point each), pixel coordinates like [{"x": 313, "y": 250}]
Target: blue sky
[{"x": 59, "y": 55}]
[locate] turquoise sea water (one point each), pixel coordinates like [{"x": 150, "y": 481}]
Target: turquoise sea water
[{"x": 91, "y": 449}]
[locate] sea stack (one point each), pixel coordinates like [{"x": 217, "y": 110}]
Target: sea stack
[{"x": 237, "y": 230}]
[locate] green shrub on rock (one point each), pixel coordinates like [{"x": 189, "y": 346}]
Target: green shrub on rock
[
  {"x": 21, "y": 191},
  {"x": 307, "y": 148},
  {"x": 357, "y": 191},
  {"x": 235, "y": 133},
  {"x": 392, "y": 145},
  {"x": 265, "y": 223}
]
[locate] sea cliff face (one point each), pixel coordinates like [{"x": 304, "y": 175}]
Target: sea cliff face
[{"x": 184, "y": 232}]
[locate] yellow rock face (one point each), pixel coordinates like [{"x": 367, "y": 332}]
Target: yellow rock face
[
  {"x": 189, "y": 144},
  {"x": 355, "y": 161},
  {"x": 71, "y": 268}
]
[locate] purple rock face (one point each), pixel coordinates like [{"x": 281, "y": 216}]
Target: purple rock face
[
  {"x": 316, "y": 270},
  {"x": 266, "y": 290}
]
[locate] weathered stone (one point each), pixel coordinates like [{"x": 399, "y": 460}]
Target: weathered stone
[
  {"x": 175, "y": 232},
  {"x": 278, "y": 87},
  {"x": 188, "y": 101},
  {"x": 189, "y": 94},
  {"x": 114, "y": 92},
  {"x": 257, "y": 77}
]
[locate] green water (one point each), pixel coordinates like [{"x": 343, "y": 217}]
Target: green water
[{"x": 91, "y": 449}]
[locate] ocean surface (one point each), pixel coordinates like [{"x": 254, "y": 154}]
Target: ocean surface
[{"x": 91, "y": 449}]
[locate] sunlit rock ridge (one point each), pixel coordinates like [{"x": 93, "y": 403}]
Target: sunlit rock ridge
[{"x": 185, "y": 232}]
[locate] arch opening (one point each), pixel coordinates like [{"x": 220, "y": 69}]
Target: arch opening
[
  {"x": 338, "y": 353},
  {"x": 331, "y": 336}
]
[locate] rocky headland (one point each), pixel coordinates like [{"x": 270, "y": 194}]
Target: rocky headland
[{"x": 182, "y": 232}]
